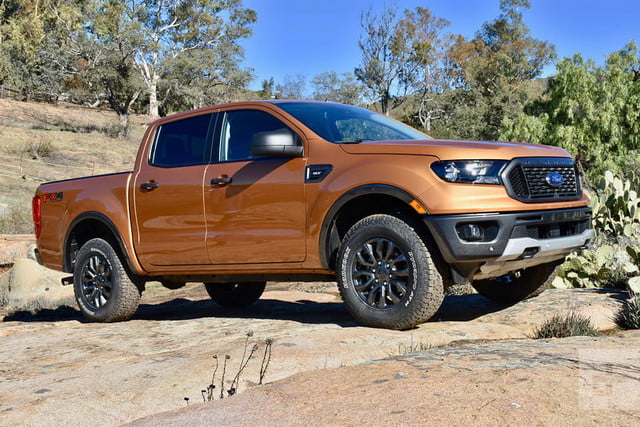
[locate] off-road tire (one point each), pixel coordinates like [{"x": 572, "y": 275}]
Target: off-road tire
[
  {"x": 514, "y": 288},
  {"x": 103, "y": 289},
  {"x": 235, "y": 294},
  {"x": 401, "y": 260}
]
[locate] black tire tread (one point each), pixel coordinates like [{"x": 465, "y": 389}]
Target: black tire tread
[
  {"x": 124, "y": 300},
  {"x": 422, "y": 308}
]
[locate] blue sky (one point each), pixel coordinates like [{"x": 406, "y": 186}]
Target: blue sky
[{"x": 313, "y": 36}]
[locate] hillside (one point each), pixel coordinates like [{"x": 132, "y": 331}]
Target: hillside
[{"x": 44, "y": 142}]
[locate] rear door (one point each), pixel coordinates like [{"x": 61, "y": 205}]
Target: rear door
[
  {"x": 168, "y": 194},
  {"x": 255, "y": 205}
]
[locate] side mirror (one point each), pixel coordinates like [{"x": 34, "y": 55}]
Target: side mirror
[{"x": 278, "y": 143}]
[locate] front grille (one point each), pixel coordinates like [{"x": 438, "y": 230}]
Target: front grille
[
  {"x": 526, "y": 180},
  {"x": 562, "y": 229}
]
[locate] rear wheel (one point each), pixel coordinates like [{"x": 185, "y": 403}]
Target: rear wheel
[
  {"x": 103, "y": 289},
  {"x": 517, "y": 286},
  {"x": 386, "y": 274},
  {"x": 235, "y": 294}
]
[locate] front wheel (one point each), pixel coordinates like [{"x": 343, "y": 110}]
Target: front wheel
[
  {"x": 235, "y": 294},
  {"x": 103, "y": 289},
  {"x": 386, "y": 274},
  {"x": 517, "y": 286}
]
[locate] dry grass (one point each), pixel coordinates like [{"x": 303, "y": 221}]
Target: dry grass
[
  {"x": 629, "y": 315},
  {"x": 44, "y": 142},
  {"x": 569, "y": 325}
]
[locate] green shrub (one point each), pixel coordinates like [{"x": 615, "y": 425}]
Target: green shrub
[
  {"x": 602, "y": 266},
  {"x": 616, "y": 207},
  {"x": 569, "y": 325},
  {"x": 116, "y": 131},
  {"x": 613, "y": 260},
  {"x": 629, "y": 315},
  {"x": 40, "y": 149}
]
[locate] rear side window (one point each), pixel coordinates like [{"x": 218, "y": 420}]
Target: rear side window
[{"x": 182, "y": 143}]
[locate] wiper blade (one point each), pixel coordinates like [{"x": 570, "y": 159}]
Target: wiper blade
[{"x": 355, "y": 141}]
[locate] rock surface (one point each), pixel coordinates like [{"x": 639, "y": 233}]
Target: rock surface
[
  {"x": 57, "y": 369},
  {"x": 574, "y": 381}
]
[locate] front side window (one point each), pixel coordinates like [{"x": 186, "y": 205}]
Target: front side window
[
  {"x": 238, "y": 130},
  {"x": 182, "y": 143}
]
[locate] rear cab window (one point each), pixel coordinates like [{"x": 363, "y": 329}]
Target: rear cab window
[{"x": 185, "y": 142}]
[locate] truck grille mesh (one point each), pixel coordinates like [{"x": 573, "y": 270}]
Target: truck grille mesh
[{"x": 526, "y": 180}]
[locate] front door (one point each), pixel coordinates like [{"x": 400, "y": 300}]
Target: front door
[{"x": 255, "y": 208}]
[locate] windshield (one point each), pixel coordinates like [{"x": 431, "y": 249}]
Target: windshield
[{"x": 346, "y": 124}]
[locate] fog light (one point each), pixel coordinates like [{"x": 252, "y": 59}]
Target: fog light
[{"x": 471, "y": 232}]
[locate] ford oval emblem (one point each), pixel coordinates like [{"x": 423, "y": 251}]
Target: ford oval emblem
[{"x": 554, "y": 180}]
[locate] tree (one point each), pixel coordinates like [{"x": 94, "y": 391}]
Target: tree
[
  {"x": 292, "y": 87},
  {"x": 268, "y": 89},
  {"x": 592, "y": 111},
  {"x": 187, "y": 84},
  {"x": 425, "y": 33},
  {"x": 35, "y": 44},
  {"x": 342, "y": 88},
  {"x": 386, "y": 63},
  {"x": 161, "y": 33},
  {"x": 399, "y": 53},
  {"x": 498, "y": 63},
  {"x": 120, "y": 83}
]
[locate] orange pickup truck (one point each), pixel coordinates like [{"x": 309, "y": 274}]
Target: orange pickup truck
[{"x": 239, "y": 194}]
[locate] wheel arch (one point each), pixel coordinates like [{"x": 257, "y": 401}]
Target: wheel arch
[
  {"x": 356, "y": 204},
  {"x": 87, "y": 226}
]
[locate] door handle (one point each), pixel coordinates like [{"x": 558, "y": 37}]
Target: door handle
[
  {"x": 221, "y": 181},
  {"x": 149, "y": 186}
]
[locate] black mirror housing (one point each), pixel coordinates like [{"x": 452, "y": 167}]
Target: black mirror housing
[{"x": 277, "y": 143}]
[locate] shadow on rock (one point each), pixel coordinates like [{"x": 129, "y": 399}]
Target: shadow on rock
[
  {"x": 455, "y": 308},
  {"x": 461, "y": 308},
  {"x": 60, "y": 314},
  {"x": 303, "y": 311}
]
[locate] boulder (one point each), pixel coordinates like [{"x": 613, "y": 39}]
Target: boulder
[{"x": 29, "y": 285}]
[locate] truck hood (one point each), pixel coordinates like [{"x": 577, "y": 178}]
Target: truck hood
[{"x": 456, "y": 150}]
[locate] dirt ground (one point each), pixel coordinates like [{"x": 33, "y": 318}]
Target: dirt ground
[{"x": 57, "y": 369}]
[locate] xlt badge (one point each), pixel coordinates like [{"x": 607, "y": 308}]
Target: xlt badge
[{"x": 316, "y": 173}]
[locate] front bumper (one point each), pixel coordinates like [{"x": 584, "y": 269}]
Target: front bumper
[{"x": 489, "y": 245}]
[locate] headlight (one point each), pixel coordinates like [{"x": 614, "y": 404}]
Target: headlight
[{"x": 470, "y": 171}]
